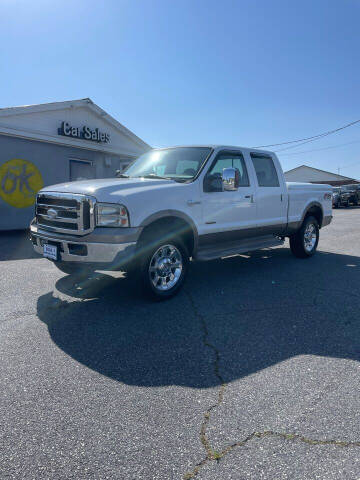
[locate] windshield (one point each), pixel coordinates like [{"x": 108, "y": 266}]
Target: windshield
[{"x": 181, "y": 163}]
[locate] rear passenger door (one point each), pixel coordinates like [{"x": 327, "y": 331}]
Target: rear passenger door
[{"x": 271, "y": 194}]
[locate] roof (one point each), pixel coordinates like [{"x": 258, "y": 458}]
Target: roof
[
  {"x": 83, "y": 102},
  {"x": 217, "y": 147},
  {"x": 318, "y": 170}
]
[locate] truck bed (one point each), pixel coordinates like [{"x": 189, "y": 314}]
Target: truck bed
[{"x": 300, "y": 195}]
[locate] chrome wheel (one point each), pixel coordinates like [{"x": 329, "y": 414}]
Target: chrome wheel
[
  {"x": 165, "y": 267},
  {"x": 310, "y": 237}
]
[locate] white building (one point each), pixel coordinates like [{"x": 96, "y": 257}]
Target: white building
[
  {"x": 57, "y": 142},
  {"x": 304, "y": 173}
]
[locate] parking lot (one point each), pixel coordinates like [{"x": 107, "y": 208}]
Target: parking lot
[{"x": 251, "y": 372}]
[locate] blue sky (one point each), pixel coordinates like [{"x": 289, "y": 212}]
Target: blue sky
[{"x": 247, "y": 72}]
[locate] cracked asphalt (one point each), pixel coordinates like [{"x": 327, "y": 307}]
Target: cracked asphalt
[{"x": 251, "y": 372}]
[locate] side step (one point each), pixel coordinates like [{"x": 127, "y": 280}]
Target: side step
[{"x": 211, "y": 252}]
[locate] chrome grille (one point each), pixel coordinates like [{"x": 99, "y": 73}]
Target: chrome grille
[{"x": 65, "y": 212}]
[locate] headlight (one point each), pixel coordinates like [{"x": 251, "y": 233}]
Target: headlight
[{"x": 111, "y": 215}]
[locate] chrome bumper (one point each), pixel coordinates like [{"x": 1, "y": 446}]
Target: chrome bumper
[{"x": 84, "y": 251}]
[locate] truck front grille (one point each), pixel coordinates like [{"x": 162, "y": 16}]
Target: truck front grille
[{"x": 65, "y": 212}]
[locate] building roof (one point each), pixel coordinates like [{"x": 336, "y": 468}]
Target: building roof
[
  {"x": 307, "y": 167},
  {"x": 11, "y": 112}
]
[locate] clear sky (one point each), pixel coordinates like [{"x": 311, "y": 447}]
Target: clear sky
[{"x": 246, "y": 72}]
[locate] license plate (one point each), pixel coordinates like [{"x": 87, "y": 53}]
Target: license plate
[{"x": 50, "y": 251}]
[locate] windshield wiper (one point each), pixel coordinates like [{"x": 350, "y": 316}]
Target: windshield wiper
[
  {"x": 153, "y": 175},
  {"x": 122, "y": 175}
]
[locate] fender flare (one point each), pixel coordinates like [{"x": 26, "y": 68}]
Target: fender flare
[
  {"x": 173, "y": 213},
  {"x": 308, "y": 207}
]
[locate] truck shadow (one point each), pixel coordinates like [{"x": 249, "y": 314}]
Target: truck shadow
[
  {"x": 259, "y": 310},
  {"x": 16, "y": 245}
]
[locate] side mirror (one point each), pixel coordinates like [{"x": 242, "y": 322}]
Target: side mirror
[{"x": 230, "y": 179}]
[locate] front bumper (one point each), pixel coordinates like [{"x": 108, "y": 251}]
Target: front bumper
[
  {"x": 327, "y": 220},
  {"x": 102, "y": 247}
]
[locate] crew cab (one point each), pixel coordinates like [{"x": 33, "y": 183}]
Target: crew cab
[{"x": 176, "y": 204}]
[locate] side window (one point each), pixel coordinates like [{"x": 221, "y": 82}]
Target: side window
[
  {"x": 226, "y": 160},
  {"x": 265, "y": 170}
]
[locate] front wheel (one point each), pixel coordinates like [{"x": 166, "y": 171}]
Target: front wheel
[
  {"x": 164, "y": 268},
  {"x": 304, "y": 243}
]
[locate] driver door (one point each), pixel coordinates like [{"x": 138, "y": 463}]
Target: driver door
[{"x": 228, "y": 211}]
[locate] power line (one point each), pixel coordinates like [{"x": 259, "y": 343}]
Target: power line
[
  {"x": 348, "y": 166},
  {"x": 319, "y": 149},
  {"x": 309, "y": 139}
]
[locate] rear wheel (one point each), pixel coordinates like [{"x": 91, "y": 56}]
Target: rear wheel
[
  {"x": 163, "y": 269},
  {"x": 304, "y": 243}
]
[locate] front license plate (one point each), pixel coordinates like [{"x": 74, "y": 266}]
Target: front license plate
[{"x": 50, "y": 251}]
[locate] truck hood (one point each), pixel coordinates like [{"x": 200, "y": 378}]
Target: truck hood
[{"x": 111, "y": 189}]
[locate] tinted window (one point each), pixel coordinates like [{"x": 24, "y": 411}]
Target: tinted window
[
  {"x": 265, "y": 171},
  {"x": 227, "y": 160}
]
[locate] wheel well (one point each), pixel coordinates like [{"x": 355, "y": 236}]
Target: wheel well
[
  {"x": 169, "y": 227},
  {"x": 315, "y": 211}
]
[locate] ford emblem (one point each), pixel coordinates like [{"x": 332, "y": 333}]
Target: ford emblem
[{"x": 52, "y": 213}]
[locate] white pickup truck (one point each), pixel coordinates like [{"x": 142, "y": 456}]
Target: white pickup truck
[{"x": 176, "y": 204}]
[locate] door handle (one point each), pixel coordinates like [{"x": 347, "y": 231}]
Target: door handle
[
  {"x": 193, "y": 202},
  {"x": 251, "y": 198}
]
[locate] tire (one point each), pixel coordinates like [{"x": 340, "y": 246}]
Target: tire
[
  {"x": 304, "y": 243},
  {"x": 163, "y": 269},
  {"x": 73, "y": 268}
]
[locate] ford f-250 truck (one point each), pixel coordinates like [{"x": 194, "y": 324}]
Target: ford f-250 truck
[{"x": 176, "y": 204}]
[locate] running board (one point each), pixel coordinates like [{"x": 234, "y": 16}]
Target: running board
[{"x": 211, "y": 252}]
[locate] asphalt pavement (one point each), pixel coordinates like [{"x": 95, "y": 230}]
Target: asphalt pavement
[{"x": 251, "y": 372}]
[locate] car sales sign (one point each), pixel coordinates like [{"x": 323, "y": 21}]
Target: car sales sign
[{"x": 85, "y": 133}]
